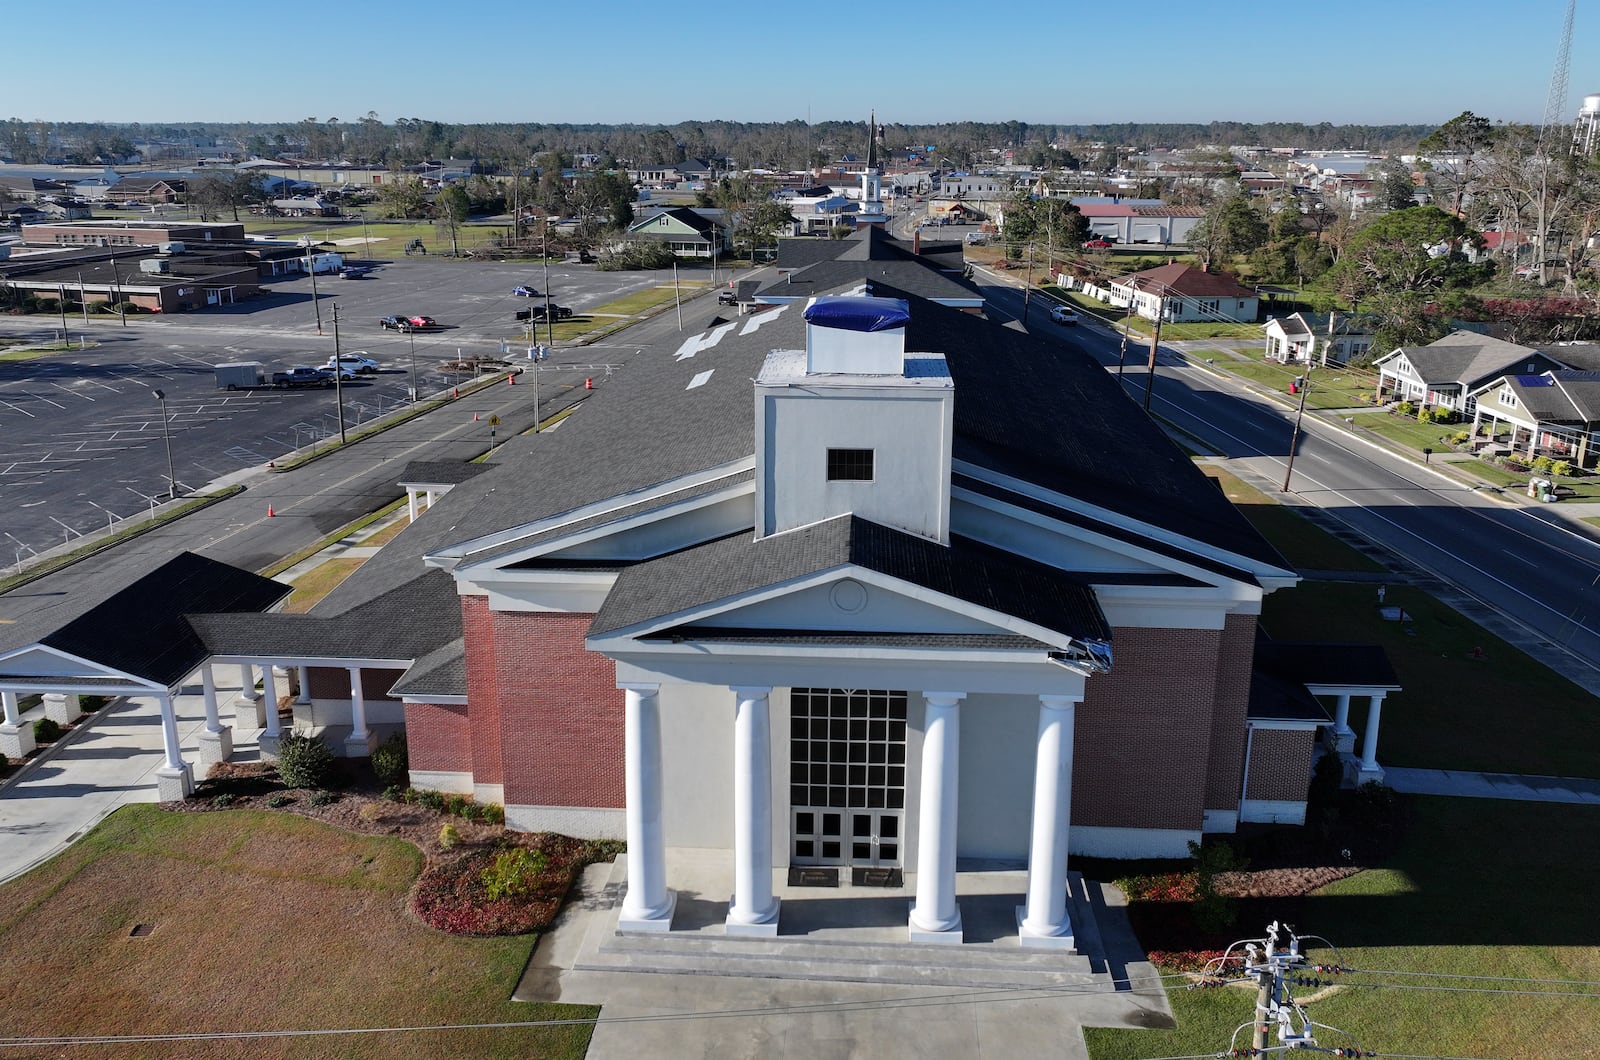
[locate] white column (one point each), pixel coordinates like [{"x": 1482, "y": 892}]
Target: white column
[
  {"x": 411, "y": 505},
  {"x": 305, "y": 685},
  {"x": 248, "y": 711},
  {"x": 1369, "y": 739},
  {"x": 174, "y": 779},
  {"x": 648, "y": 905},
  {"x": 216, "y": 742},
  {"x": 359, "y": 742},
  {"x": 269, "y": 695},
  {"x": 247, "y": 684},
  {"x": 1343, "y": 737},
  {"x": 16, "y": 739},
  {"x": 753, "y": 910},
  {"x": 935, "y": 917},
  {"x": 430, "y": 500},
  {"x": 1044, "y": 921}
]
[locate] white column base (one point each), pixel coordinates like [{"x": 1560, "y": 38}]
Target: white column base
[
  {"x": 174, "y": 785},
  {"x": 1058, "y": 938},
  {"x": 1343, "y": 740},
  {"x": 658, "y": 924},
  {"x": 268, "y": 746},
  {"x": 249, "y": 714},
  {"x": 61, "y": 709},
  {"x": 950, "y": 936},
  {"x": 1366, "y": 773},
  {"x": 16, "y": 741},
  {"x": 359, "y": 746},
  {"x": 766, "y": 927},
  {"x": 216, "y": 746}
]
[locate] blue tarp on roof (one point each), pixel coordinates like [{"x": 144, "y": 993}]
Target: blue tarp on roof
[{"x": 859, "y": 314}]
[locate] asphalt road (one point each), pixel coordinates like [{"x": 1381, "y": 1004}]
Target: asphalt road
[
  {"x": 1519, "y": 562},
  {"x": 81, "y": 436}
]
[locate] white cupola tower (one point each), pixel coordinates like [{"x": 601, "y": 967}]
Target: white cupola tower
[{"x": 854, "y": 423}]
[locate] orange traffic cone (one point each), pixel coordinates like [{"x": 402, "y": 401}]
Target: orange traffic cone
[
  {"x": 270, "y": 513},
  {"x": 455, "y": 391},
  {"x": 474, "y": 417},
  {"x": 588, "y": 384},
  {"x": 511, "y": 378}
]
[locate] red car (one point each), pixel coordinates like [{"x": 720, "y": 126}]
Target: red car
[
  {"x": 421, "y": 322},
  {"x": 1097, "y": 244}
]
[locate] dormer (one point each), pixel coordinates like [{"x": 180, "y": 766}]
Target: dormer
[{"x": 854, "y": 423}]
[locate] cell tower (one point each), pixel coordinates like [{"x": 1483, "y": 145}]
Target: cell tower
[
  {"x": 1556, "y": 101},
  {"x": 1586, "y": 129}
]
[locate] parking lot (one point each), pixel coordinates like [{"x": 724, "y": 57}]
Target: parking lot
[{"x": 81, "y": 438}]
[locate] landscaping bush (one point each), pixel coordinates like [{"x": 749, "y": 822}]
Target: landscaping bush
[
  {"x": 280, "y": 800},
  {"x": 449, "y": 836},
  {"x": 223, "y": 801},
  {"x": 490, "y": 813},
  {"x": 4, "y": 761},
  {"x": 45, "y": 730},
  {"x": 304, "y": 761},
  {"x": 1405, "y": 408},
  {"x": 129, "y": 308},
  {"x": 1562, "y": 469},
  {"x": 1541, "y": 464},
  {"x": 453, "y": 804},
  {"x": 1460, "y": 438},
  {"x": 1214, "y": 912},
  {"x": 323, "y": 798},
  {"x": 514, "y": 873},
  {"x": 391, "y": 763}
]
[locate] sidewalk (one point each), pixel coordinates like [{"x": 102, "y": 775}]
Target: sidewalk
[
  {"x": 1492, "y": 785},
  {"x": 106, "y": 761}
]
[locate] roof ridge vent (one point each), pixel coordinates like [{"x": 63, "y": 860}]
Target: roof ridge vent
[{"x": 855, "y": 335}]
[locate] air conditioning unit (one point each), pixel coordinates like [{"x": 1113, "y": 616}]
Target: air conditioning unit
[{"x": 154, "y": 265}]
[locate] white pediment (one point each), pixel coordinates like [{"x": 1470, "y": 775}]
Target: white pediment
[
  {"x": 40, "y": 660},
  {"x": 850, "y": 604}
]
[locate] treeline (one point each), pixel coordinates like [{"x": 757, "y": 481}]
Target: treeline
[{"x": 795, "y": 144}]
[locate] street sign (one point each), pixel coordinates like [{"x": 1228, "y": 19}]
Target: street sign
[{"x": 494, "y": 421}]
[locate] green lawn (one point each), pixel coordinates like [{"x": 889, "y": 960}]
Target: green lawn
[
  {"x": 262, "y": 921},
  {"x": 1331, "y": 388},
  {"x": 1170, "y": 332},
  {"x": 1302, "y": 543},
  {"x": 1502, "y": 713},
  {"x": 1479, "y": 888},
  {"x": 1407, "y": 431}
]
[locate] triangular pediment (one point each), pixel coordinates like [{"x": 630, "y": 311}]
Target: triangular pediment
[{"x": 51, "y": 664}]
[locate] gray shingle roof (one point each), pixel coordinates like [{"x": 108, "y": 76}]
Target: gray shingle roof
[
  {"x": 966, "y": 570},
  {"x": 845, "y": 638},
  {"x": 1275, "y": 699},
  {"x": 1312, "y": 663},
  {"x": 441, "y": 672},
  {"x": 440, "y": 472},
  {"x": 1471, "y": 359},
  {"x": 139, "y": 628}
]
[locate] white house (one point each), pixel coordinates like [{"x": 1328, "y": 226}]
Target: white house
[{"x": 1181, "y": 293}]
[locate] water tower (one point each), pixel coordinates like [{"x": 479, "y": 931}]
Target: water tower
[{"x": 1586, "y": 130}]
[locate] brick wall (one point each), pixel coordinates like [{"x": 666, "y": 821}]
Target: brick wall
[
  {"x": 1143, "y": 733},
  {"x": 483, "y": 713},
  {"x": 439, "y": 737},
  {"x": 1280, "y": 764},
  {"x": 333, "y": 682},
  {"x": 1227, "y": 720},
  {"x": 560, "y": 712}
]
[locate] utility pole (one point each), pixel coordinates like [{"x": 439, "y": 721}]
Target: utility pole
[
  {"x": 311, "y": 267},
  {"x": 338, "y": 373},
  {"x": 1122, "y": 354},
  {"x": 544, "y": 255},
  {"x": 1155, "y": 343},
  {"x": 1299, "y": 414},
  {"x": 1027, "y": 285},
  {"x": 677, "y": 293}
]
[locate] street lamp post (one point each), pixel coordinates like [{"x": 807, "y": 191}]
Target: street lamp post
[
  {"x": 166, "y": 435},
  {"x": 1299, "y": 413},
  {"x": 338, "y": 373},
  {"x": 412, "y": 335}
]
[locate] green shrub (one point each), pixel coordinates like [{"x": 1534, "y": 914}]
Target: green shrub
[
  {"x": 514, "y": 873},
  {"x": 323, "y": 798},
  {"x": 280, "y": 800},
  {"x": 4, "y": 761},
  {"x": 448, "y": 836},
  {"x": 1214, "y": 913},
  {"x": 492, "y": 813},
  {"x": 394, "y": 794},
  {"x": 1561, "y": 469},
  {"x": 46, "y": 730},
  {"x": 129, "y": 308},
  {"x": 224, "y": 800},
  {"x": 390, "y": 762},
  {"x": 1540, "y": 464},
  {"x": 304, "y": 761},
  {"x": 1460, "y": 438},
  {"x": 1405, "y": 408},
  {"x": 433, "y": 800},
  {"x": 453, "y": 804},
  {"x": 471, "y": 812}
]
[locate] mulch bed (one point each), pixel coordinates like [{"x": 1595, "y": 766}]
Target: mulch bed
[{"x": 449, "y": 893}]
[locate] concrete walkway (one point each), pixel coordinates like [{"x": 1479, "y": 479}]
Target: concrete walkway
[
  {"x": 108, "y": 760},
  {"x": 1492, "y": 785}
]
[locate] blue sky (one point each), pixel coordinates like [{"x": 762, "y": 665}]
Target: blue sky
[{"x": 1364, "y": 61}]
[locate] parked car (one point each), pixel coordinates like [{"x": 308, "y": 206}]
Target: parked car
[
  {"x": 559, "y": 312},
  {"x": 1098, "y": 244},
  {"x": 1064, "y": 315},
  {"x": 422, "y": 322},
  {"x": 396, "y": 323},
  {"x": 302, "y": 375},
  {"x": 525, "y": 291},
  {"x": 355, "y": 362},
  {"x": 355, "y": 272},
  {"x": 727, "y": 296}
]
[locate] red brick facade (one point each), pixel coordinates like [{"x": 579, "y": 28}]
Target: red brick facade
[
  {"x": 438, "y": 737},
  {"x": 1280, "y": 764},
  {"x": 560, "y": 713},
  {"x": 333, "y": 682},
  {"x": 1143, "y": 732},
  {"x": 1227, "y": 721},
  {"x": 477, "y": 623}
]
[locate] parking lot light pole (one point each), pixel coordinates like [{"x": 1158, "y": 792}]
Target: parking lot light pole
[
  {"x": 311, "y": 267},
  {"x": 166, "y": 435},
  {"x": 338, "y": 373},
  {"x": 412, "y": 335}
]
